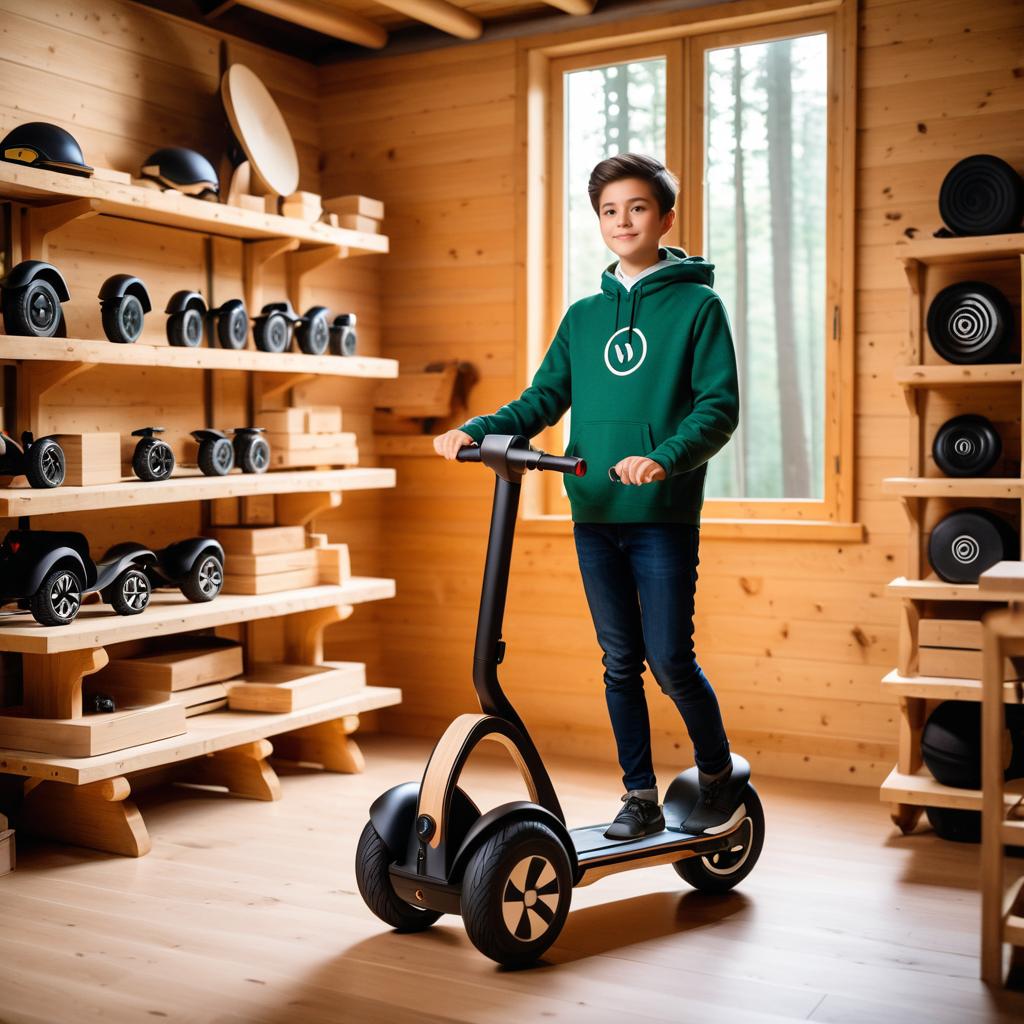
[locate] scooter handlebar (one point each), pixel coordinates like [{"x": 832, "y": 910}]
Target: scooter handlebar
[{"x": 530, "y": 458}]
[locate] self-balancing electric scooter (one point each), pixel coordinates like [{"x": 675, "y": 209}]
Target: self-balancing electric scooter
[{"x": 427, "y": 850}]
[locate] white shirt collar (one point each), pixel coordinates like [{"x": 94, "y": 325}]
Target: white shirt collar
[{"x": 628, "y": 281}]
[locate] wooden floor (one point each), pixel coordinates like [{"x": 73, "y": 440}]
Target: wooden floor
[{"x": 249, "y": 912}]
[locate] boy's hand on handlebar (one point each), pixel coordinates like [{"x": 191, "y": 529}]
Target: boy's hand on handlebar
[
  {"x": 449, "y": 443},
  {"x": 635, "y": 469}
]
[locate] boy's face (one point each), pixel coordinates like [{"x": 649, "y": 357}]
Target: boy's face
[{"x": 631, "y": 225}]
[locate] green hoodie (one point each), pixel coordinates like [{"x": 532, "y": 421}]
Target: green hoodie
[{"x": 650, "y": 371}]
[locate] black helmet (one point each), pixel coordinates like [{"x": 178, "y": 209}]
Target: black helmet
[
  {"x": 40, "y": 144},
  {"x": 183, "y": 169}
]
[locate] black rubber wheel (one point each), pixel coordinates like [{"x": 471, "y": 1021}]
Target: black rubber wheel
[
  {"x": 969, "y": 322},
  {"x": 129, "y": 593},
  {"x": 516, "y": 893},
  {"x": 954, "y": 824},
  {"x": 33, "y": 310},
  {"x": 968, "y": 541},
  {"x": 216, "y": 457},
  {"x": 343, "y": 341},
  {"x": 273, "y": 333},
  {"x": 720, "y": 872},
  {"x": 58, "y": 599},
  {"x": 981, "y": 195},
  {"x": 314, "y": 335},
  {"x": 255, "y": 456},
  {"x": 44, "y": 463},
  {"x": 372, "y": 861},
  {"x": 204, "y": 580},
  {"x": 185, "y": 330},
  {"x": 122, "y": 320},
  {"x": 233, "y": 328},
  {"x": 153, "y": 459},
  {"x": 966, "y": 446}
]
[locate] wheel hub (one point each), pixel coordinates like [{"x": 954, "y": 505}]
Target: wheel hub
[{"x": 530, "y": 898}]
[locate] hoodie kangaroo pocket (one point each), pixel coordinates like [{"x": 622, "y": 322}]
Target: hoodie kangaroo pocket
[{"x": 603, "y": 443}]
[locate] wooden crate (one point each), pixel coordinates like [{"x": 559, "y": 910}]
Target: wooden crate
[
  {"x": 258, "y": 540},
  {"x": 198, "y": 661},
  {"x": 280, "y": 688},
  {"x": 91, "y": 458}
]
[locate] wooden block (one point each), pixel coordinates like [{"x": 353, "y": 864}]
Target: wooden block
[
  {"x": 334, "y": 563},
  {"x": 7, "y": 854},
  {"x": 962, "y": 633},
  {"x": 361, "y": 206},
  {"x": 283, "y": 561},
  {"x": 304, "y": 205},
  {"x": 953, "y": 663},
  {"x": 1003, "y": 576},
  {"x": 259, "y": 540},
  {"x": 109, "y": 174},
  {"x": 271, "y": 583},
  {"x": 282, "y": 421},
  {"x": 254, "y": 203},
  {"x": 280, "y": 688},
  {"x": 331, "y": 219},
  {"x": 341, "y": 455},
  {"x": 354, "y": 222},
  {"x": 307, "y": 441},
  {"x": 203, "y": 709},
  {"x": 207, "y": 661},
  {"x": 91, "y": 458},
  {"x": 200, "y": 695},
  {"x": 323, "y": 419},
  {"x": 318, "y": 540},
  {"x": 272, "y": 204}
]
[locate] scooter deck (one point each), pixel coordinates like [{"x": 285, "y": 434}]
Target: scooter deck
[{"x": 590, "y": 841}]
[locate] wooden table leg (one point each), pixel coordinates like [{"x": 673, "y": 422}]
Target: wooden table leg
[
  {"x": 326, "y": 744},
  {"x": 905, "y": 817},
  {"x": 243, "y": 770}
]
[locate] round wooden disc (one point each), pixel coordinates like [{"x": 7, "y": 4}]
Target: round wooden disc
[{"x": 260, "y": 130}]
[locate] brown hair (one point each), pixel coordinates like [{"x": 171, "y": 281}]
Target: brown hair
[{"x": 664, "y": 184}]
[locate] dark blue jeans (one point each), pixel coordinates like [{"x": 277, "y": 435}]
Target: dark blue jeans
[{"x": 640, "y": 580}]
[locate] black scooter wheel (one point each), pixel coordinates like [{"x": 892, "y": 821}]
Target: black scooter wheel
[
  {"x": 255, "y": 456},
  {"x": 185, "y": 330},
  {"x": 216, "y": 456},
  {"x": 123, "y": 320},
  {"x": 374, "y": 882},
  {"x": 34, "y": 310},
  {"x": 153, "y": 459},
  {"x": 44, "y": 463},
  {"x": 272, "y": 333},
  {"x": 720, "y": 872},
  {"x": 967, "y": 542},
  {"x": 129, "y": 593},
  {"x": 233, "y": 328},
  {"x": 516, "y": 893},
  {"x": 981, "y": 195},
  {"x": 58, "y": 599},
  {"x": 204, "y": 580},
  {"x": 314, "y": 333},
  {"x": 969, "y": 322},
  {"x": 966, "y": 446}
]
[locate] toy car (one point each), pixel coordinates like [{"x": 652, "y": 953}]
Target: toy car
[
  {"x": 41, "y": 461},
  {"x": 272, "y": 329},
  {"x": 343, "y": 335},
  {"x": 153, "y": 458},
  {"x": 124, "y": 303},
  {"x": 195, "y": 566},
  {"x": 187, "y": 315},
  {"x": 313, "y": 331},
  {"x": 252, "y": 450},
  {"x": 232, "y": 323},
  {"x": 31, "y": 295},
  {"x": 48, "y": 572},
  {"x": 216, "y": 452}
]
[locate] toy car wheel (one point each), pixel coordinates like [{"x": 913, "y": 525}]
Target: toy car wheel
[
  {"x": 153, "y": 459},
  {"x": 129, "y": 593},
  {"x": 185, "y": 329},
  {"x": 122, "y": 320},
  {"x": 374, "y": 882},
  {"x": 314, "y": 333},
  {"x": 58, "y": 599},
  {"x": 233, "y": 328},
  {"x": 516, "y": 893},
  {"x": 273, "y": 333},
  {"x": 216, "y": 456},
  {"x": 33, "y": 310},
  {"x": 255, "y": 456},
  {"x": 204, "y": 580},
  {"x": 44, "y": 463},
  {"x": 720, "y": 872}
]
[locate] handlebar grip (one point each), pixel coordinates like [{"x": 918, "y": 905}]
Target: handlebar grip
[
  {"x": 569, "y": 464},
  {"x": 468, "y": 453}
]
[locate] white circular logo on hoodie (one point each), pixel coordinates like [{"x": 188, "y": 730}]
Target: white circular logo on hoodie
[{"x": 623, "y": 357}]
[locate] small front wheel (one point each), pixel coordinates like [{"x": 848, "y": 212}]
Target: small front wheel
[
  {"x": 233, "y": 327},
  {"x": 58, "y": 599},
  {"x": 44, "y": 463},
  {"x": 204, "y": 580},
  {"x": 185, "y": 329},
  {"x": 272, "y": 333},
  {"x": 255, "y": 456},
  {"x": 374, "y": 882},
  {"x": 123, "y": 320},
  {"x": 153, "y": 459},
  {"x": 516, "y": 893},
  {"x": 129, "y": 593},
  {"x": 216, "y": 456}
]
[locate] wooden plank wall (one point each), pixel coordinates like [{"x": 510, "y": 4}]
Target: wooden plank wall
[{"x": 795, "y": 636}]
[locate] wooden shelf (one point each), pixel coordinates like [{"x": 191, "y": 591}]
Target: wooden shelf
[
  {"x": 960, "y": 250},
  {"x": 949, "y": 376},
  {"x": 941, "y": 688},
  {"x": 938, "y": 590},
  {"x": 169, "y": 612},
  {"x": 172, "y": 209},
  {"x": 216, "y": 730},
  {"x": 953, "y": 487},
  {"x": 91, "y": 352},
  {"x": 30, "y": 501},
  {"x": 921, "y": 790}
]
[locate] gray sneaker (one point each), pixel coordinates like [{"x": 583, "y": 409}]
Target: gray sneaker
[{"x": 637, "y": 818}]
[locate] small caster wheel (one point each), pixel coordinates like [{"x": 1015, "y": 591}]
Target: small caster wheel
[
  {"x": 313, "y": 332},
  {"x": 272, "y": 329},
  {"x": 32, "y": 294},
  {"x": 343, "y": 335},
  {"x": 252, "y": 450},
  {"x": 129, "y": 593},
  {"x": 101, "y": 703},
  {"x": 153, "y": 458},
  {"x": 44, "y": 463},
  {"x": 124, "y": 303},
  {"x": 204, "y": 579},
  {"x": 216, "y": 453},
  {"x": 58, "y": 599},
  {"x": 187, "y": 312},
  {"x": 232, "y": 324}
]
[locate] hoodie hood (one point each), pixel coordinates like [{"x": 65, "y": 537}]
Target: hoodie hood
[{"x": 682, "y": 269}]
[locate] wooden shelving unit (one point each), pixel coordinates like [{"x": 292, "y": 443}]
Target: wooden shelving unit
[
  {"x": 929, "y": 265},
  {"x": 85, "y": 799}
]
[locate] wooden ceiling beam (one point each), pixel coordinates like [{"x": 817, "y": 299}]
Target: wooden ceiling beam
[
  {"x": 441, "y": 14},
  {"x": 324, "y": 18},
  {"x": 572, "y": 6}
]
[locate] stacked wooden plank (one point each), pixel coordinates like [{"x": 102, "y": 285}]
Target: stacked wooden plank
[{"x": 308, "y": 436}]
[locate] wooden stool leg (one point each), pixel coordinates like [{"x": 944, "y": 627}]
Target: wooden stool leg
[
  {"x": 905, "y": 817},
  {"x": 243, "y": 770},
  {"x": 326, "y": 744},
  {"x": 98, "y": 815}
]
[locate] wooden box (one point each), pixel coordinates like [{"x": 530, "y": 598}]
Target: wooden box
[
  {"x": 206, "y": 660},
  {"x": 323, "y": 419},
  {"x": 258, "y": 540},
  {"x": 359, "y": 206},
  {"x": 272, "y": 583},
  {"x": 280, "y": 688},
  {"x": 304, "y": 205},
  {"x": 91, "y": 458},
  {"x": 951, "y": 649},
  {"x": 306, "y": 419},
  {"x": 354, "y": 222}
]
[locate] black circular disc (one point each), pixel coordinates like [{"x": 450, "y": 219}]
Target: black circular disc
[
  {"x": 967, "y": 542},
  {"x": 982, "y": 195},
  {"x": 968, "y": 322},
  {"x": 966, "y": 446}
]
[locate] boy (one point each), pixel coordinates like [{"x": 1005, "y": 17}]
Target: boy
[{"x": 652, "y": 403}]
